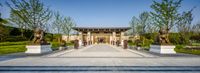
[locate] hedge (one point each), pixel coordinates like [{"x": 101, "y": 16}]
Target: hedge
[
  {"x": 13, "y": 43},
  {"x": 182, "y": 49}
]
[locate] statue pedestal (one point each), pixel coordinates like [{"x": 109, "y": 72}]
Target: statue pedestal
[
  {"x": 38, "y": 49},
  {"x": 162, "y": 49}
]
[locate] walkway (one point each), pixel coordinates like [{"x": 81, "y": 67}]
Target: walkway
[
  {"x": 100, "y": 51},
  {"x": 101, "y": 59}
]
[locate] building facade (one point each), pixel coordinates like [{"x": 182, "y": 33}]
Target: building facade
[{"x": 95, "y": 35}]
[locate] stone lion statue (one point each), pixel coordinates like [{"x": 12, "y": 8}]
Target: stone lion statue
[
  {"x": 162, "y": 38},
  {"x": 39, "y": 37}
]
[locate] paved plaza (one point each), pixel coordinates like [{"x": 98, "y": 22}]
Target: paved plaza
[
  {"x": 100, "y": 51},
  {"x": 102, "y": 56}
]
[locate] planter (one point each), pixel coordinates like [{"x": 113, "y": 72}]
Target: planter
[
  {"x": 163, "y": 49},
  {"x": 38, "y": 49}
]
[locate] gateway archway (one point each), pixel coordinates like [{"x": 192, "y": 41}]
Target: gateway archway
[{"x": 95, "y": 35}]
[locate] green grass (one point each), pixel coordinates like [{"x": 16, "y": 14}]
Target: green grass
[
  {"x": 55, "y": 45},
  {"x": 13, "y": 43},
  {"x": 181, "y": 49},
  {"x": 12, "y": 49},
  {"x": 15, "y": 47}
]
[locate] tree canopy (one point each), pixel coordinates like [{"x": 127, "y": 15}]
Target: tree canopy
[{"x": 33, "y": 13}]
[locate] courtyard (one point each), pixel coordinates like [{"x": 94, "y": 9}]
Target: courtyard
[
  {"x": 99, "y": 36},
  {"x": 101, "y": 58}
]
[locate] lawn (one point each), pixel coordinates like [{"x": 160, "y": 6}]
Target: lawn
[
  {"x": 15, "y": 47},
  {"x": 12, "y": 47},
  {"x": 182, "y": 49}
]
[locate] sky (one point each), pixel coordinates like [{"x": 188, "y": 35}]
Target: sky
[{"x": 106, "y": 13}]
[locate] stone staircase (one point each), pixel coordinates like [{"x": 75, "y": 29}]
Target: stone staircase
[{"x": 100, "y": 69}]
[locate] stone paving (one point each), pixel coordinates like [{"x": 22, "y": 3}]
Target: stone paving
[
  {"x": 101, "y": 51},
  {"x": 103, "y": 55}
]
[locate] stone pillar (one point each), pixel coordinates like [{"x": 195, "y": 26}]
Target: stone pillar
[
  {"x": 88, "y": 38},
  {"x": 92, "y": 39},
  {"x": 110, "y": 39},
  {"x": 114, "y": 38},
  {"x": 80, "y": 37},
  {"x": 122, "y": 38}
]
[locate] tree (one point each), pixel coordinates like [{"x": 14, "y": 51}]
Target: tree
[
  {"x": 57, "y": 24},
  {"x": 67, "y": 26},
  {"x": 133, "y": 24},
  {"x": 3, "y": 30},
  {"x": 2, "y": 21},
  {"x": 184, "y": 26},
  {"x": 15, "y": 20},
  {"x": 63, "y": 25},
  {"x": 165, "y": 14},
  {"x": 31, "y": 12},
  {"x": 139, "y": 25},
  {"x": 144, "y": 21},
  {"x": 185, "y": 20}
]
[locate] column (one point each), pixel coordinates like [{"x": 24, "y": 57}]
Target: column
[
  {"x": 88, "y": 38},
  {"x": 110, "y": 39},
  {"x": 114, "y": 38},
  {"x": 122, "y": 38},
  {"x": 92, "y": 39},
  {"x": 80, "y": 38}
]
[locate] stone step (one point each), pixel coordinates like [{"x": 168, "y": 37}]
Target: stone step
[{"x": 101, "y": 68}]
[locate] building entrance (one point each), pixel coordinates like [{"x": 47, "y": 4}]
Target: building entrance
[
  {"x": 101, "y": 40},
  {"x": 109, "y": 35}
]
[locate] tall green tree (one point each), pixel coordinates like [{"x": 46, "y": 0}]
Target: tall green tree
[
  {"x": 3, "y": 30},
  {"x": 57, "y": 24},
  {"x": 185, "y": 20},
  {"x": 165, "y": 14},
  {"x": 63, "y": 25},
  {"x": 68, "y": 23},
  {"x": 139, "y": 25},
  {"x": 184, "y": 26},
  {"x": 133, "y": 24},
  {"x": 15, "y": 20},
  {"x": 31, "y": 12}
]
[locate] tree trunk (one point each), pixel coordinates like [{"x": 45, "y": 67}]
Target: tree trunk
[
  {"x": 167, "y": 37},
  {"x": 59, "y": 38},
  {"x": 67, "y": 37}
]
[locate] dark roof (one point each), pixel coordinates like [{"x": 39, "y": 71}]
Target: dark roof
[
  {"x": 101, "y": 28},
  {"x": 117, "y": 29}
]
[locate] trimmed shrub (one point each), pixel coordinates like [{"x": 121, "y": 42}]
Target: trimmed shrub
[
  {"x": 131, "y": 43},
  {"x": 182, "y": 49},
  {"x": 55, "y": 44},
  {"x": 13, "y": 43},
  {"x": 14, "y": 39}
]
